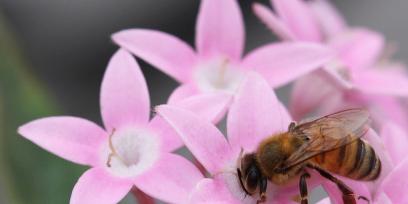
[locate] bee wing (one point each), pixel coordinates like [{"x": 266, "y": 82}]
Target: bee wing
[{"x": 328, "y": 133}]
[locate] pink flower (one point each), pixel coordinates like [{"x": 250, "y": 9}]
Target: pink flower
[
  {"x": 357, "y": 72},
  {"x": 130, "y": 151},
  {"x": 255, "y": 114},
  {"x": 217, "y": 64}
]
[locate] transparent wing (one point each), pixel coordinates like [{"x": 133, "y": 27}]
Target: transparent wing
[{"x": 328, "y": 133}]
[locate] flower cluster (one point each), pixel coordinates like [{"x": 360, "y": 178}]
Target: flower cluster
[{"x": 332, "y": 67}]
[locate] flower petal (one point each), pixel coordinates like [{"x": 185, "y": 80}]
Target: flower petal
[
  {"x": 298, "y": 16},
  {"x": 335, "y": 77},
  {"x": 212, "y": 191},
  {"x": 273, "y": 22},
  {"x": 98, "y": 187},
  {"x": 308, "y": 94},
  {"x": 358, "y": 48},
  {"x": 382, "y": 82},
  {"x": 335, "y": 194},
  {"x": 281, "y": 63},
  {"x": 124, "y": 94},
  {"x": 170, "y": 141},
  {"x": 182, "y": 92},
  {"x": 382, "y": 199},
  {"x": 209, "y": 107},
  {"x": 324, "y": 201},
  {"x": 201, "y": 137},
  {"x": 171, "y": 179},
  {"x": 386, "y": 164},
  {"x": 330, "y": 20},
  {"x": 220, "y": 29},
  {"x": 166, "y": 52},
  {"x": 74, "y": 139},
  {"x": 395, "y": 185},
  {"x": 254, "y": 114},
  {"x": 395, "y": 141},
  {"x": 389, "y": 109}
]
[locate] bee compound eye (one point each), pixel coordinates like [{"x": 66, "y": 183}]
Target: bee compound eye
[{"x": 252, "y": 179}]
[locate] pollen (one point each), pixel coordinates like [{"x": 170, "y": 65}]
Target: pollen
[
  {"x": 113, "y": 151},
  {"x": 130, "y": 151}
]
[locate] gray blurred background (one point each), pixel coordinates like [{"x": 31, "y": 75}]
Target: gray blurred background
[
  {"x": 65, "y": 46},
  {"x": 68, "y": 44}
]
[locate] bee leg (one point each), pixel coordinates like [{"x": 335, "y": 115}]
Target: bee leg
[
  {"x": 303, "y": 188},
  {"x": 348, "y": 194},
  {"x": 263, "y": 183},
  {"x": 363, "y": 198}
]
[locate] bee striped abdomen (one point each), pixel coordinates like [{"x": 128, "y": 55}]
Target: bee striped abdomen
[{"x": 356, "y": 160}]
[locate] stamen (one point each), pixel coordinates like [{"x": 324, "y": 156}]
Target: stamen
[
  {"x": 344, "y": 73},
  {"x": 113, "y": 151},
  {"x": 241, "y": 154},
  {"x": 221, "y": 76}
]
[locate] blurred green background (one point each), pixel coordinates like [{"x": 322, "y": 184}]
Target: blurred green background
[{"x": 53, "y": 55}]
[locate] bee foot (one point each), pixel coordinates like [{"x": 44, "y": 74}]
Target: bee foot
[{"x": 363, "y": 198}]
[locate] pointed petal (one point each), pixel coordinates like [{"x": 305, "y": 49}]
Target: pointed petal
[
  {"x": 383, "y": 199},
  {"x": 170, "y": 140},
  {"x": 98, "y": 187},
  {"x": 330, "y": 20},
  {"x": 220, "y": 29},
  {"x": 124, "y": 95},
  {"x": 298, "y": 16},
  {"x": 201, "y": 137},
  {"x": 212, "y": 191},
  {"x": 171, "y": 179},
  {"x": 182, "y": 92},
  {"x": 396, "y": 183},
  {"x": 382, "y": 82},
  {"x": 254, "y": 114},
  {"x": 395, "y": 141},
  {"x": 166, "y": 52},
  {"x": 273, "y": 22},
  {"x": 209, "y": 107},
  {"x": 280, "y": 63},
  {"x": 331, "y": 74},
  {"x": 358, "y": 48},
  {"x": 71, "y": 138},
  {"x": 308, "y": 94},
  {"x": 389, "y": 109}
]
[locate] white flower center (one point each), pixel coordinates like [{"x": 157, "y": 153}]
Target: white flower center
[
  {"x": 130, "y": 151},
  {"x": 218, "y": 75}
]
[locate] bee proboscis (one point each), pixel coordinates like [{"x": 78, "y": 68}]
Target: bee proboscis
[{"x": 330, "y": 144}]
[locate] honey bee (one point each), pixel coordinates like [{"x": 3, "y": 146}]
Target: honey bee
[{"x": 330, "y": 144}]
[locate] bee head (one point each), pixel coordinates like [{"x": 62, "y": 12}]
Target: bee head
[{"x": 249, "y": 173}]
